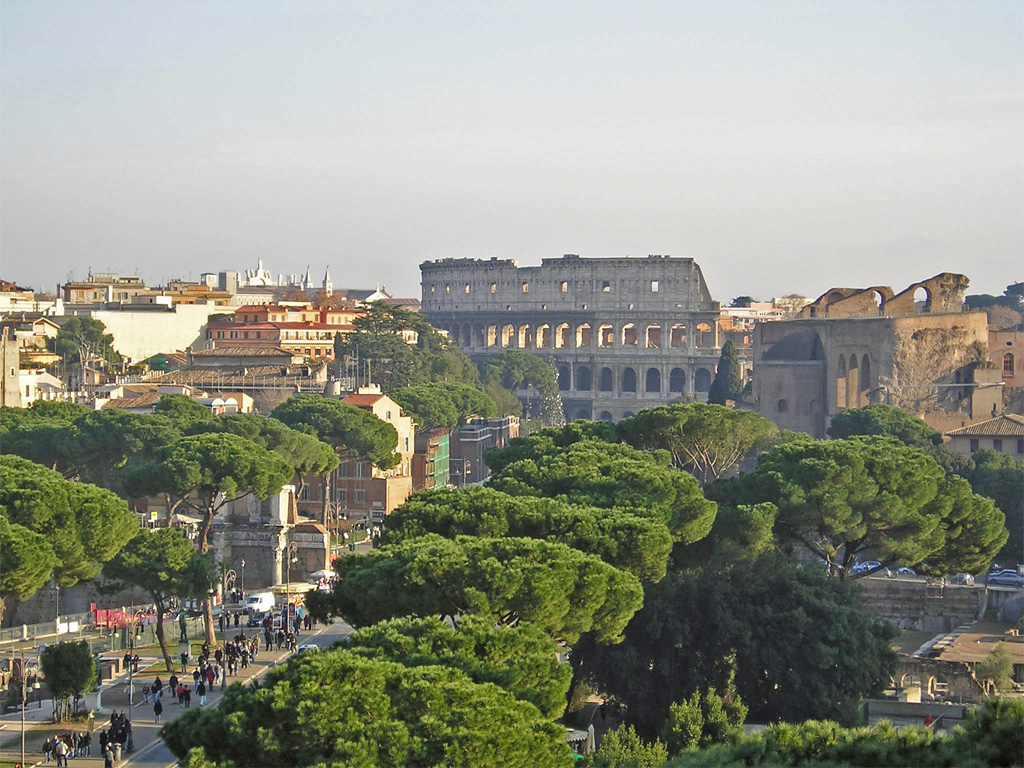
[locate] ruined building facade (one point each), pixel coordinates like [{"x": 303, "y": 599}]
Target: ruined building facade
[
  {"x": 917, "y": 350},
  {"x": 623, "y": 334}
]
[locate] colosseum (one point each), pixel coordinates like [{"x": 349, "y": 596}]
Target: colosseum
[{"x": 623, "y": 334}]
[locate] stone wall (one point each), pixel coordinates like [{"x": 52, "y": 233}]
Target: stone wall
[
  {"x": 914, "y": 604},
  {"x": 622, "y": 334}
]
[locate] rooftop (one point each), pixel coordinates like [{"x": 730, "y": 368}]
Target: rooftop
[{"x": 1007, "y": 425}]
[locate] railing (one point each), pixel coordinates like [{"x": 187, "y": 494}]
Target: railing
[{"x": 32, "y": 632}]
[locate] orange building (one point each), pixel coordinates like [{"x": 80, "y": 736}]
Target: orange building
[{"x": 300, "y": 329}]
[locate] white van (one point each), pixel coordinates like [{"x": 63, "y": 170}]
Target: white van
[{"x": 258, "y": 602}]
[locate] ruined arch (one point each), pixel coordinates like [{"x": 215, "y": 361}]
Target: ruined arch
[
  {"x": 492, "y": 335},
  {"x": 564, "y": 378},
  {"x": 853, "y": 383},
  {"x": 701, "y": 380},
  {"x": 605, "y": 383},
  {"x": 628, "y": 380},
  {"x": 543, "y": 334},
  {"x": 508, "y": 336},
  {"x": 866, "y": 379},
  {"x": 841, "y": 399},
  {"x": 605, "y": 336},
  {"x": 677, "y": 336},
  {"x": 525, "y": 337},
  {"x": 705, "y": 337},
  {"x": 652, "y": 337},
  {"x": 583, "y": 380},
  {"x": 583, "y": 335},
  {"x": 677, "y": 380},
  {"x": 653, "y": 380},
  {"x": 562, "y": 337},
  {"x": 629, "y": 335}
]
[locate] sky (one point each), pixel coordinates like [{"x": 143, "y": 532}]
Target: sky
[{"x": 787, "y": 147}]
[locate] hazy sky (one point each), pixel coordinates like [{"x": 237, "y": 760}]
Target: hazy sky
[{"x": 786, "y": 147}]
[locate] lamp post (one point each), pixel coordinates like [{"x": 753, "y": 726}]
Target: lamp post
[
  {"x": 130, "y": 622},
  {"x": 23, "y": 680},
  {"x": 241, "y": 589},
  {"x": 290, "y": 558}
]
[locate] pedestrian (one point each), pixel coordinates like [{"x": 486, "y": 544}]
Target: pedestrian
[
  {"x": 188, "y": 697},
  {"x": 86, "y": 743},
  {"x": 237, "y": 618},
  {"x": 172, "y": 684},
  {"x": 145, "y": 693},
  {"x": 180, "y": 690},
  {"x": 104, "y": 740},
  {"x": 108, "y": 757},
  {"x": 201, "y": 693},
  {"x": 184, "y": 662},
  {"x": 158, "y": 685},
  {"x": 62, "y": 753},
  {"x": 47, "y": 749},
  {"x": 158, "y": 709}
]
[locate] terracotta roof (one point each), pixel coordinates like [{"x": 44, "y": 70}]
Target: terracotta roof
[
  {"x": 1007, "y": 425},
  {"x": 142, "y": 401},
  {"x": 362, "y": 401},
  {"x": 243, "y": 352}
]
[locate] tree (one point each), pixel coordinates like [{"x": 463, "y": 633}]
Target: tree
[
  {"x": 70, "y": 671},
  {"x": 544, "y": 442},
  {"x": 521, "y": 659},
  {"x": 997, "y": 667},
  {"x": 85, "y": 340},
  {"x": 884, "y": 420},
  {"x": 795, "y": 642},
  {"x": 728, "y": 382},
  {"x": 352, "y": 432},
  {"x": 183, "y": 411},
  {"x": 514, "y": 370},
  {"x": 999, "y": 477},
  {"x": 340, "y": 709},
  {"x": 443, "y": 404},
  {"x": 80, "y": 526},
  {"x": 623, "y": 748},
  {"x": 843, "y": 499},
  {"x": 306, "y": 454},
  {"x": 742, "y": 301},
  {"x": 163, "y": 563},
  {"x": 596, "y": 474},
  {"x": 640, "y": 545},
  {"x": 708, "y": 440},
  {"x": 204, "y": 473},
  {"x": 32, "y": 432},
  {"x": 556, "y": 588},
  {"x": 703, "y": 720}
]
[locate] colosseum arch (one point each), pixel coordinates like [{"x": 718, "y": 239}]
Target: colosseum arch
[
  {"x": 652, "y": 337},
  {"x": 492, "y": 335},
  {"x": 867, "y": 382},
  {"x": 564, "y": 378},
  {"x": 653, "y": 380},
  {"x": 629, "y": 335},
  {"x": 467, "y": 334},
  {"x": 605, "y": 336},
  {"x": 606, "y": 381},
  {"x": 705, "y": 337},
  {"x": 583, "y": 335},
  {"x": 543, "y": 336},
  {"x": 605, "y": 416},
  {"x": 701, "y": 380},
  {"x": 508, "y": 336},
  {"x": 677, "y": 380},
  {"x": 677, "y": 336},
  {"x": 583, "y": 380},
  {"x": 628, "y": 380},
  {"x": 454, "y": 333},
  {"x": 525, "y": 337},
  {"x": 562, "y": 337},
  {"x": 480, "y": 336}
]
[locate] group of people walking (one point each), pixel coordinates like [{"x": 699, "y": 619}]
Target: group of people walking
[{"x": 62, "y": 747}]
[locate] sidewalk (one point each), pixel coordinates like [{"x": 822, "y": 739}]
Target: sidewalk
[{"x": 39, "y": 725}]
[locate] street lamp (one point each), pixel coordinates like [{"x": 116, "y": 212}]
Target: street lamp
[
  {"x": 24, "y": 692},
  {"x": 290, "y": 557},
  {"x": 130, "y": 622},
  {"x": 241, "y": 589}
]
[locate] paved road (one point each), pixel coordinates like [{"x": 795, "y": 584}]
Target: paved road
[{"x": 150, "y": 751}]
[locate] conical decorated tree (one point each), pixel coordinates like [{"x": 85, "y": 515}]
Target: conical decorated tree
[{"x": 728, "y": 382}]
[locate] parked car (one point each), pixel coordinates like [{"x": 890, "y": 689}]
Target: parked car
[
  {"x": 307, "y": 647},
  {"x": 962, "y": 578},
  {"x": 869, "y": 566},
  {"x": 1007, "y": 578},
  {"x": 905, "y": 571}
]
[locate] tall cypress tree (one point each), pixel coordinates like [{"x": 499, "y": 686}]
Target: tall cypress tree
[{"x": 728, "y": 382}]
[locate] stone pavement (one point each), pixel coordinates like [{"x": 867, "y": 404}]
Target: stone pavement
[{"x": 113, "y": 696}]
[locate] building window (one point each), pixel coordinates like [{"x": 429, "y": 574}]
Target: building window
[
  {"x": 360, "y": 469},
  {"x": 407, "y": 445},
  {"x": 466, "y": 289},
  {"x": 783, "y": 406},
  {"x": 343, "y": 469},
  {"x": 359, "y": 497},
  {"x": 606, "y": 287},
  {"x": 655, "y": 286},
  {"x": 974, "y": 444},
  {"x": 997, "y": 445},
  {"x": 431, "y": 287},
  {"x": 447, "y": 288},
  {"x": 304, "y": 493},
  {"x": 1020, "y": 446},
  {"x": 343, "y": 495},
  {"x": 1008, "y": 365},
  {"x": 388, "y": 415},
  {"x": 564, "y": 286},
  {"x": 526, "y": 287},
  {"x": 494, "y": 287}
]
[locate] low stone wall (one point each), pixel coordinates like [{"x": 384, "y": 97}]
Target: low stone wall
[{"x": 916, "y": 604}]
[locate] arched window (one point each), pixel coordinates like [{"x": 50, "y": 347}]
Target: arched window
[
  {"x": 783, "y": 406},
  {"x": 605, "y": 416},
  {"x": 677, "y": 336},
  {"x": 564, "y": 378},
  {"x": 1008, "y": 365},
  {"x": 841, "y": 398},
  {"x": 653, "y": 337},
  {"x": 605, "y": 384},
  {"x": 583, "y": 335},
  {"x": 702, "y": 380},
  {"x": 629, "y": 335},
  {"x": 653, "y": 383},
  {"x": 628, "y": 414},
  {"x": 605, "y": 336},
  {"x": 508, "y": 336},
  {"x": 629, "y": 380},
  {"x": 677, "y": 380},
  {"x": 544, "y": 336},
  {"x": 562, "y": 336},
  {"x": 583, "y": 382}
]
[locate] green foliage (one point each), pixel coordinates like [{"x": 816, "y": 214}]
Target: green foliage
[
  {"x": 597, "y": 474},
  {"x": 70, "y": 671},
  {"x": 623, "y": 748},
  {"x": 708, "y": 440},
  {"x": 514, "y": 370},
  {"x": 340, "y": 709},
  {"x": 997, "y": 667},
  {"x": 306, "y": 454},
  {"x": 163, "y": 563},
  {"x": 728, "y": 382},
  {"x": 554, "y": 587},
  {"x": 351, "y": 431},
  {"x": 992, "y": 736},
  {"x": 81, "y": 527},
  {"x": 85, "y": 339},
  {"x": 444, "y": 405},
  {"x": 999, "y": 477},
  {"x": 703, "y": 720},
  {"x": 640, "y": 545},
  {"x": 521, "y": 659},
  {"x": 544, "y": 442},
  {"x": 842, "y": 499},
  {"x": 183, "y": 411},
  {"x": 386, "y": 359},
  {"x": 887, "y": 421},
  {"x": 795, "y": 642}
]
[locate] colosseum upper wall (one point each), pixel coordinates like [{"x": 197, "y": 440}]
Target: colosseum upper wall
[{"x": 623, "y": 333}]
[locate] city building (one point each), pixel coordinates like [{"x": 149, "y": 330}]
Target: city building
[
  {"x": 1003, "y": 434},
  {"x": 298, "y": 328},
  {"x": 623, "y": 334},
  {"x": 468, "y": 443},
  {"x": 430, "y": 462}
]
